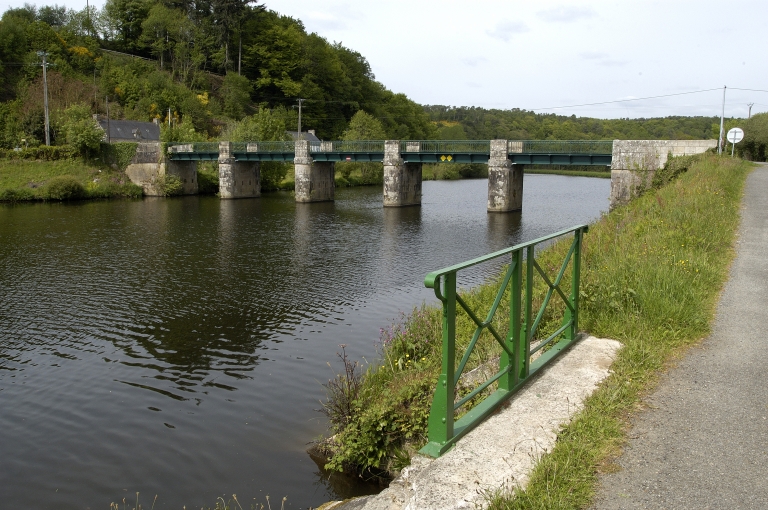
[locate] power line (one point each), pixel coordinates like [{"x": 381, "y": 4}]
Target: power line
[{"x": 627, "y": 100}]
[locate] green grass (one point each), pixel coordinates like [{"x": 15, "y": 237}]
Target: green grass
[
  {"x": 653, "y": 271},
  {"x": 651, "y": 274},
  {"x": 22, "y": 180}
]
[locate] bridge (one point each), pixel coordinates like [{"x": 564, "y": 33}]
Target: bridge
[
  {"x": 314, "y": 164},
  {"x": 632, "y": 164}
]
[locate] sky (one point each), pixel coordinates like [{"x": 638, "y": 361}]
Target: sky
[{"x": 564, "y": 57}]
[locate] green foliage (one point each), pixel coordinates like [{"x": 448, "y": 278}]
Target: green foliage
[
  {"x": 64, "y": 187},
  {"x": 363, "y": 127},
  {"x": 673, "y": 168},
  {"x": 267, "y": 124},
  {"x": 16, "y": 195},
  {"x": 482, "y": 124},
  {"x": 80, "y": 130},
  {"x": 42, "y": 153},
  {"x": 118, "y": 154},
  {"x": 169, "y": 185},
  {"x": 272, "y": 174},
  {"x": 235, "y": 95},
  {"x": 754, "y": 146},
  {"x": 181, "y": 132},
  {"x": 207, "y": 178}
]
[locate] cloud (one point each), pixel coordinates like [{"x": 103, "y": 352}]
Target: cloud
[
  {"x": 602, "y": 59},
  {"x": 335, "y": 18},
  {"x": 504, "y": 30},
  {"x": 474, "y": 61},
  {"x": 566, "y": 14}
]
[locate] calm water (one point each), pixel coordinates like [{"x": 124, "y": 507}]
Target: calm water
[{"x": 177, "y": 347}]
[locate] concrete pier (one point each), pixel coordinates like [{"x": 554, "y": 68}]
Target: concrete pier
[
  {"x": 505, "y": 180},
  {"x": 237, "y": 179},
  {"x": 186, "y": 171},
  {"x": 314, "y": 179},
  {"x": 402, "y": 181},
  {"x": 634, "y": 163}
]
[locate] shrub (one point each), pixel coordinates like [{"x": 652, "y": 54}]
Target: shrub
[
  {"x": 17, "y": 195},
  {"x": 672, "y": 169},
  {"x": 64, "y": 187},
  {"x": 169, "y": 185},
  {"x": 272, "y": 174}
]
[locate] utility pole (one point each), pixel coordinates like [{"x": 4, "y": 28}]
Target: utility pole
[
  {"x": 45, "y": 97},
  {"x": 109, "y": 135},
  {"x": 301, "y": 137},
  {"x": 722, "y": 117},
  {"x": 750, "y": 109}
]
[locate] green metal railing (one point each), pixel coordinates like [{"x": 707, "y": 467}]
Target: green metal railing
[
  {"x": 566, "y": 146},
  {"x": 183, "y": 147},
  {"x": 445, "y": 146},
  {"x": 518, "y": 360},
  {"x": 271, "y": 147},
  {"x": 348, "y": 147}
]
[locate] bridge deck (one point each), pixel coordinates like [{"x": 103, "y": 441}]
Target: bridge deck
[{"x": 525, "y": 152}]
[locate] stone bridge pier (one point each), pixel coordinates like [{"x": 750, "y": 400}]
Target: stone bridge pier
[
  {"x": 505, "y": 180},
  {"x": 315, "y": 180},
  {"x": 402, "y": 181},
  {"x": 237, "y": 179}
]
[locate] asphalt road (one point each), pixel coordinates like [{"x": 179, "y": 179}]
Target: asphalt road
[{"x": 703, "y": 442}]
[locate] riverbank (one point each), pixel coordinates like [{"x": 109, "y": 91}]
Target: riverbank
[{"x": 649, "y": 271}]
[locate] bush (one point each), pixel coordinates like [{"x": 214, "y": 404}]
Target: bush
[
  {"x": 169, "y": 185},
  {"x": 64, "y": 187},
  {"x": 17, "y": 195},
  {"x": 43, "y": 152},
  {"x": 672, "y": 169}
]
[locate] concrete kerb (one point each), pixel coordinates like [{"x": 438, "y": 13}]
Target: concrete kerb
[{"x": 502, "y": 451}]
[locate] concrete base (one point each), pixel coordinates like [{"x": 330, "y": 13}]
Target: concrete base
[
  {"x": 237, "y": 179},
  {"x": 505, "y": 186},
  {"x": 314, "y": 181},
  {"x": 501, "y": 451},
  {"x": 146, "y": 175},
  {"x": 186, "y": 171},
  {"x": 402, "y": 184},
  {"x": 634, "y": 162}
]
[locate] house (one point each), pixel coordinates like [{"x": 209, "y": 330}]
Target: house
[
  {"x": 305, "y": 135},
  {"x": 129, "y": 131}
]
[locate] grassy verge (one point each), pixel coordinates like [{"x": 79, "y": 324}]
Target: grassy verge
[
  {"x": 651, "y": 275},
  {"x": 23, "y": 180}
]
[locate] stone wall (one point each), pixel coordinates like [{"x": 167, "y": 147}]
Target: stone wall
[
  {"x": 634, "y": 162},
  {"x": 149, "y": 164}
]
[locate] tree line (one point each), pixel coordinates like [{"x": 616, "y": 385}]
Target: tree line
[{"x": 216, "y": 68}]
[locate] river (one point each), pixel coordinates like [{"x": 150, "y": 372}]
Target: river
[{"x": 177, "y": 347}]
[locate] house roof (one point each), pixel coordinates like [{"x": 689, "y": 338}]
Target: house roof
[
  {"x": 304, "y": 136},
  {"x": 131, "y": 130}
]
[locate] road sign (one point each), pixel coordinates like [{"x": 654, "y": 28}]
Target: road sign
[{"x": 735, "y": 135}]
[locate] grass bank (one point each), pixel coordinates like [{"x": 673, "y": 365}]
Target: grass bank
[
  {"x": 67, "y": 179},
  {"x": 651, "y": 274},
  {"x": 603, "y": 174}
]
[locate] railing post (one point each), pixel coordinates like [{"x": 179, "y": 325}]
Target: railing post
[
  {"x": 511, "y": 378},
  {"x": 575, "y": 280},
  {"x": 526, "y": 333},
  {"x": 441, "y": 415}
]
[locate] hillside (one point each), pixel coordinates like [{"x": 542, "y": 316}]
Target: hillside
[{"x": 206, "y": 66}]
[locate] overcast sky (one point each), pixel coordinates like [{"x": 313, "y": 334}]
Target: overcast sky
[{"x": 540, "y": 55}]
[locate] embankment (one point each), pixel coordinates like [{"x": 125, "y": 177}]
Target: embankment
[{"x": 651, "y": 274}]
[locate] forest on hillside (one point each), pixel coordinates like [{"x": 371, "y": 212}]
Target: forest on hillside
[{"x": 235, "y": 68}]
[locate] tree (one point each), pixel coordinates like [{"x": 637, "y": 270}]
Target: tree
[
  {"x": 236, "y": 95},
  {"x": 754, "y": 146},
  {"x": 80, "y": 130},
  {"x": 363, "y": 126}
]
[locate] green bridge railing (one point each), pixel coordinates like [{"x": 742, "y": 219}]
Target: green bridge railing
[
  {"x": 523, "y": 352},
  {"x": 562, "y": 146}
]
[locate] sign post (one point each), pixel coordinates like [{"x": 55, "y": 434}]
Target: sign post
[{"x": 735, "y": 135}]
